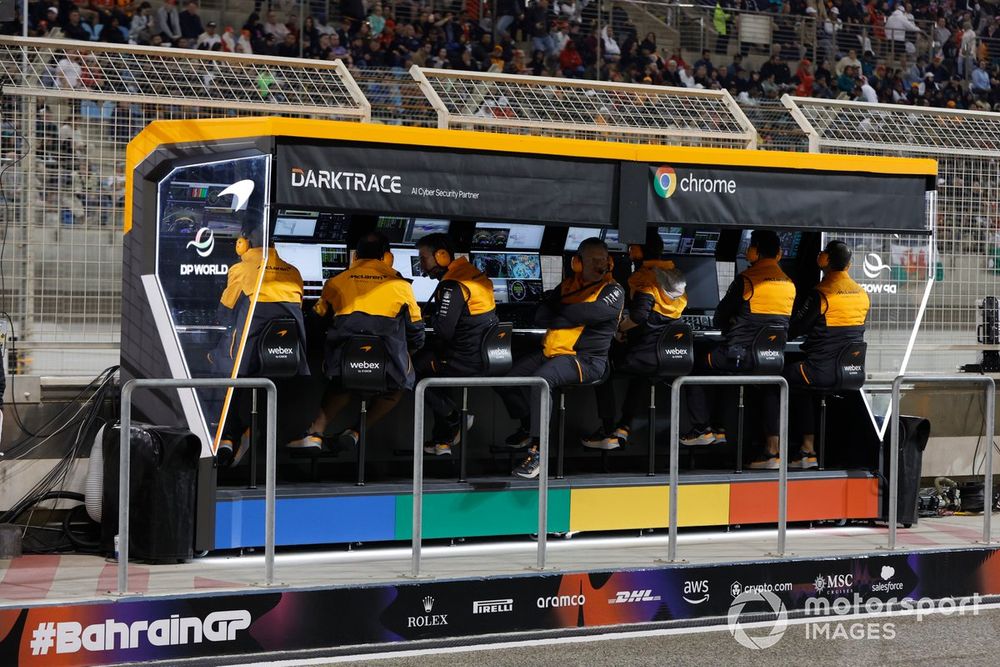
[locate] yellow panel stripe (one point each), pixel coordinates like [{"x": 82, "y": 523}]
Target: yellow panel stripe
[
  {"x": 622, "y": 508},
  {"x": 219, "y": 129}
]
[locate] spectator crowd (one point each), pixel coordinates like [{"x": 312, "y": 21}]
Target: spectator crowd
[{"x": 943, "y": 53}]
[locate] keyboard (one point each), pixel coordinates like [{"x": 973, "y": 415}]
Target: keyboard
[
  {"x": 698, "y": 322},
  {"x": 196, "y": 317}
]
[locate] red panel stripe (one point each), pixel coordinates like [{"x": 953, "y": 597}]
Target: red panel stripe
[
  {"x": 138, "y": 579},
  {"x": 29, "y": 577}
]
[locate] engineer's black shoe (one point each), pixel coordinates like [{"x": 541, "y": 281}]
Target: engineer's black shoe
[
  {"x": 600, "y": 440},
  {"x": 517, "y": 441}
]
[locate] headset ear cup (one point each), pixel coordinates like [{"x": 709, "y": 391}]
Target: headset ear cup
[
  {"x": 635, "y": 253},
  {"x": 442, "y": 258},
  {"x": 387, "y": 258},
  {"x": 752, "y": 255},
  {"x": 611, "y": 263},
  {"x": 242, "y": 245},
  {"x": 823, "y": 260},
  {"x": 576, "y": 264}
]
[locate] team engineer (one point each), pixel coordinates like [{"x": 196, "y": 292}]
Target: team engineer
[
  {"x": 831, "y": 317},
  {"x": 280, "y": 296},
  {"x": 461, "y": 311},
  {"x": 760, "y": 296},
  {"x": 369, "y": 298},
  {"x": 581, "y": 316},
  {"x": 657, "y": 299}
]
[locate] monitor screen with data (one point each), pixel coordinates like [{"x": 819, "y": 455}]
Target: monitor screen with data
[
  {"x": 507, "y": 236},
  {"x": 317, "y": 262},
  {"x": 407, "y": 262},
  {"x": 517, "y": 277}
]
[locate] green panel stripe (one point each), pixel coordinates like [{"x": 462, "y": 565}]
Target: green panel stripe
[{"x": 482, "y": 513}]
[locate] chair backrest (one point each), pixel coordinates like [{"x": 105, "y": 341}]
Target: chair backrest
[
  {"x": 675, "y": 351},
  {"x": 363, "y": 364},
  {"x": 279, "y": 349},
  {"x": 851, "y": 366},
  {"x": 767, "y": 352},
  {"x": 497, "y": 355}
]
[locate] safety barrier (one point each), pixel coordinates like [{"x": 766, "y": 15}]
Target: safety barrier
[
  {"x": 545, "y": 409},
  {"x": 125, "y": 459},
  {"x": 894, "y": 444},
  {"x": 675, "y": 415}
]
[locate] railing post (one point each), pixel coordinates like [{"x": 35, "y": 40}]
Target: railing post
[
  {"x": 545, "y": 406},
  {"x": 125, "y": 460},
  {"x": 674, "y": 478}
]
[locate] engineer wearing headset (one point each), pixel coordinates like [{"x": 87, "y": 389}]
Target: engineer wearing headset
[
  {"x": 280, "y": 296},
  {"x": 831, "y": 317},
  {"x": 461, "y": 311},
  {"x": 581, "y": 316},
  {"x": 656, "y": 299},
  {"x": 760, "y": 296},
  {"x": 369, "y": 298}
]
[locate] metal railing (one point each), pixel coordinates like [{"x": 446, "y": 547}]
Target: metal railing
[
  {"x": 545, "y": 407},
  {"x": 125, "y": 460},
  {"x": 675, "y": 416},
  {"x": 894, "y": 444}
]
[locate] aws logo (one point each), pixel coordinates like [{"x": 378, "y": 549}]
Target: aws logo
[{"x": 665, "y": 182}]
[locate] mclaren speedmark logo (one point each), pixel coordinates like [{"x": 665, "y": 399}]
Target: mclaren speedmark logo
[{"x": 241, "y": 191}]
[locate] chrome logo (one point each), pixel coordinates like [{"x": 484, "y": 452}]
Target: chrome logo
[{"x": 665, "y": 181}]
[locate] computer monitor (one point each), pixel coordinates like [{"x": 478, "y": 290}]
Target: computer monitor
[
  {"x": 407, "y": 262},
  {"x": 702, "y": 282},
  {"x": 317, "y": 262},
  {"x": 790, "y": 243},
  {"x": 506, "y": 236},
  {"x": 517, "y": 277},
  {"x": 323, "y": 226},
  {"x": 577, "y": 235},
  {"x": 392, "y": 227},
  {"x": 418, "y": 228},
  {"x": 671, "y": 237},
  {"x": 296, "y": 223}
]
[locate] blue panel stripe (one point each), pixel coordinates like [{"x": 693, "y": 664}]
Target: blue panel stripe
[{"x": 240, "y": 523}]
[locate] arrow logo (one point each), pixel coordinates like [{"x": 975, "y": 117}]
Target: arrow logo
[
  {"x": 241, "y": 191},
  {"x": 678, "y": 336},
  {"x": 283, "y": 332},
  {"x": 366, "y": 348}
]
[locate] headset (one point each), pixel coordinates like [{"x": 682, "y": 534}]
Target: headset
[
  {"x": 442, "y": 258},
  {"x": 635, "y": 253},
  {"x": 242, "y": 245}
]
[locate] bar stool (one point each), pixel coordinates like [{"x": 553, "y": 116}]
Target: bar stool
[
  {"x": 497, "y": 359},
  {"x": 363, "y": 370},
  {"x": 766, "y": 357},
  {"x": 560, "y": 397},
  {"x": 279, "y": 350},
  {"x": 674, "y": 358},
  {"x": 850, "y": 376}
]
